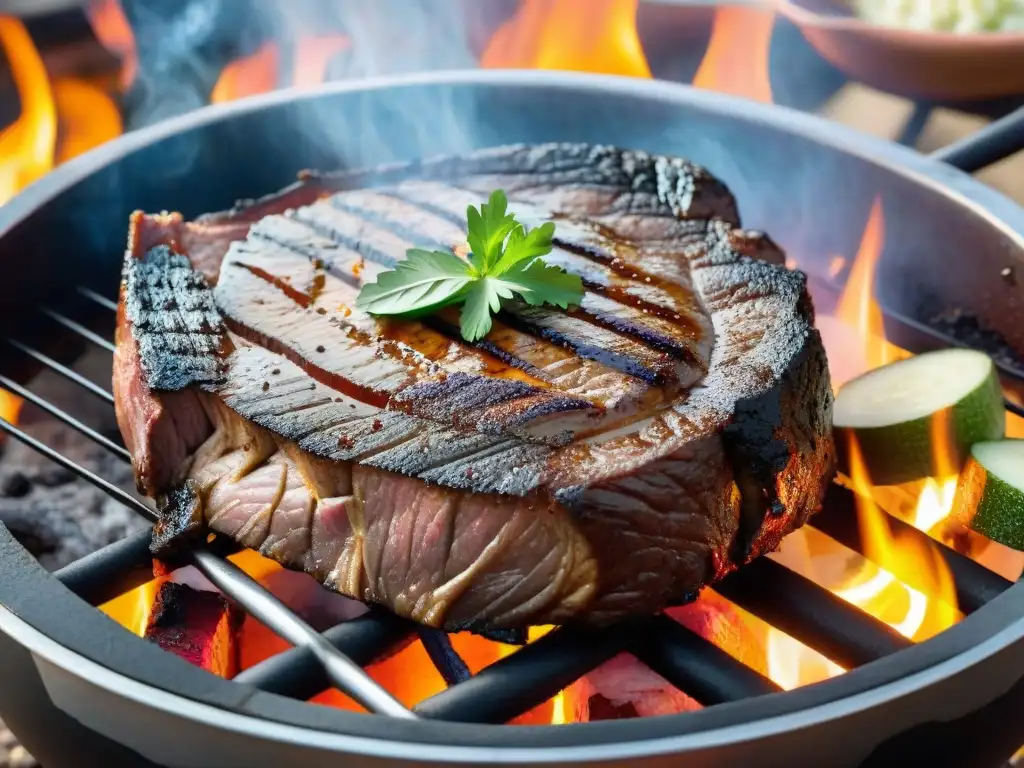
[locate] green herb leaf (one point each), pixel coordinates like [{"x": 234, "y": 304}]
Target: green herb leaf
[
  {"x": 488, "y": 228},
  {"x": 540, "y": 283},
  {"x": 523, "y": 246},
  {"x": 505, "y": 261},
  {"x": 423, "y": 282},
  {"x": 483, "y": 297}
]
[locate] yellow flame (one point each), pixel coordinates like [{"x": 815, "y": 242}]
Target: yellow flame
[
  {"x": 579, "y": 35},
  {"x": 736, "y": 60},
  {"x": 857, "y": 306},
  {"x": 26, "y": 146}
]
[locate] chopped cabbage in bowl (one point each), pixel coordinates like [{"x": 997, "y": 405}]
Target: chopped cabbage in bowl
[{"x": 958, "y": 16}]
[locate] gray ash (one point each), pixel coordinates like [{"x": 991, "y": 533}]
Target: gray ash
[
  {"x": 965, "y": 328},
  {"x": 54, "y": 515}
]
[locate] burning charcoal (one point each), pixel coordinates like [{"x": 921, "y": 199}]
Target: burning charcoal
[
  {"x": 57, "y": 518},
  {"x": 201, "y": 627},
  {"x": 15, "y": 485},
  {"x": 624, "y": 687},
  {"x": 319, "y": 607}
]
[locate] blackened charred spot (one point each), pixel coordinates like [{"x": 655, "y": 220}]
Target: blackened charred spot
[
  {"x": 472, "y": 391},
  {"x": 179, "y": 332},
  {"x": 181, "y": 521},
  {"x": 479, "y": 627}
]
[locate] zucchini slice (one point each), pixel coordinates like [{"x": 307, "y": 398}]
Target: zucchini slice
[
  {"x": 899, "y": 411},
  {"x": 990, "y": 494}
]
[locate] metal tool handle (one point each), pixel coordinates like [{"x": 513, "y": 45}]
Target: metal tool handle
[{"x": 994, "y": 142}]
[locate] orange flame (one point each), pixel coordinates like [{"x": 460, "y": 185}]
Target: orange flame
[
  {"x": 26, "y": 146},
  {"x": 313, "y": 56},
  {"x": 579, "y": 35},
  {"x": 260, "y": 71},
  {"x": 77, "y": 113},
  {"x": 109, "y": 24},
  {"x": 248, "y": 76},
  {"x": 1014, "y": 423},
  {"x": 855, "y": 336},
  {"x": 409, "y": 674},
  {"x": 876, "y": 584},
  {"x": 736, "y": 60},
  {"x": 87, "y": 116},
  {"x": 857, "y": 306}
]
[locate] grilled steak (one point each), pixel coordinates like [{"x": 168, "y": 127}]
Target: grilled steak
[{"x": 585, "y": 464}]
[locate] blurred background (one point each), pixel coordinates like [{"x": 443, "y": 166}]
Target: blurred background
[{"x": 77, "y": 73}]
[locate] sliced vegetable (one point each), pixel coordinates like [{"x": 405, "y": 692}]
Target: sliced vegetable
[
  {"x": 990, "y": 494},
  {"x": 910, "y": 416}
]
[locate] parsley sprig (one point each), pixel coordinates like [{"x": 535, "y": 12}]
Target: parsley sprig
[{"x": 504, "y": 261}]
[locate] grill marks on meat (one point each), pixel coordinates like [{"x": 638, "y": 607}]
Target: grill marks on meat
[
  {"x": 178, "y": 327},
  {"x": 330, "y": 425},
  {"x": 621, "y": 296},
  {"x": 168, "y": 329},
  {"x": 606, "y": 461},
  {"x": 336, "y": 348},
  {"x": 605, "y": 330}
]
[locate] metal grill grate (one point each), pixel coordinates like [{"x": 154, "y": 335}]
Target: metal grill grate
[{"x": 538, "y": 671}]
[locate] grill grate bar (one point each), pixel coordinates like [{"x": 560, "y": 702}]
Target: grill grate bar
[
  {"x": 97, "y": 298},
  {"x": 801, "y": 608},
  {"x": 697, "y": 666},
  {"x": 344, "y": 673},
  {"x": 90, "y": 477},
  {"x": 78, "y": 328},
  {"x": 297, "y": 673},
  {"x": 811, "y": 614},
  {"x": 975, "y": 584},
  {"x": 111, "y": 571},
  {"x": 445, "y": 658},
  {"x": 522, "y": 680},
  {"x": 40, "y": 402},
  {"x": 63, "y": 370},
  {"x": 245, "y": 590},
  {"x": 528, "y": 677}
]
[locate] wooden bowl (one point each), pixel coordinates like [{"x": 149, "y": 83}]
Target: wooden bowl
[{"x": 939, "y": 66}]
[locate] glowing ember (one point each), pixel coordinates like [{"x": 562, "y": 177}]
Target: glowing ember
[
  {"x": 736, "y": 60},
  {"x": 580, "y": 35},
  {"x": 198, "y": 626}
]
